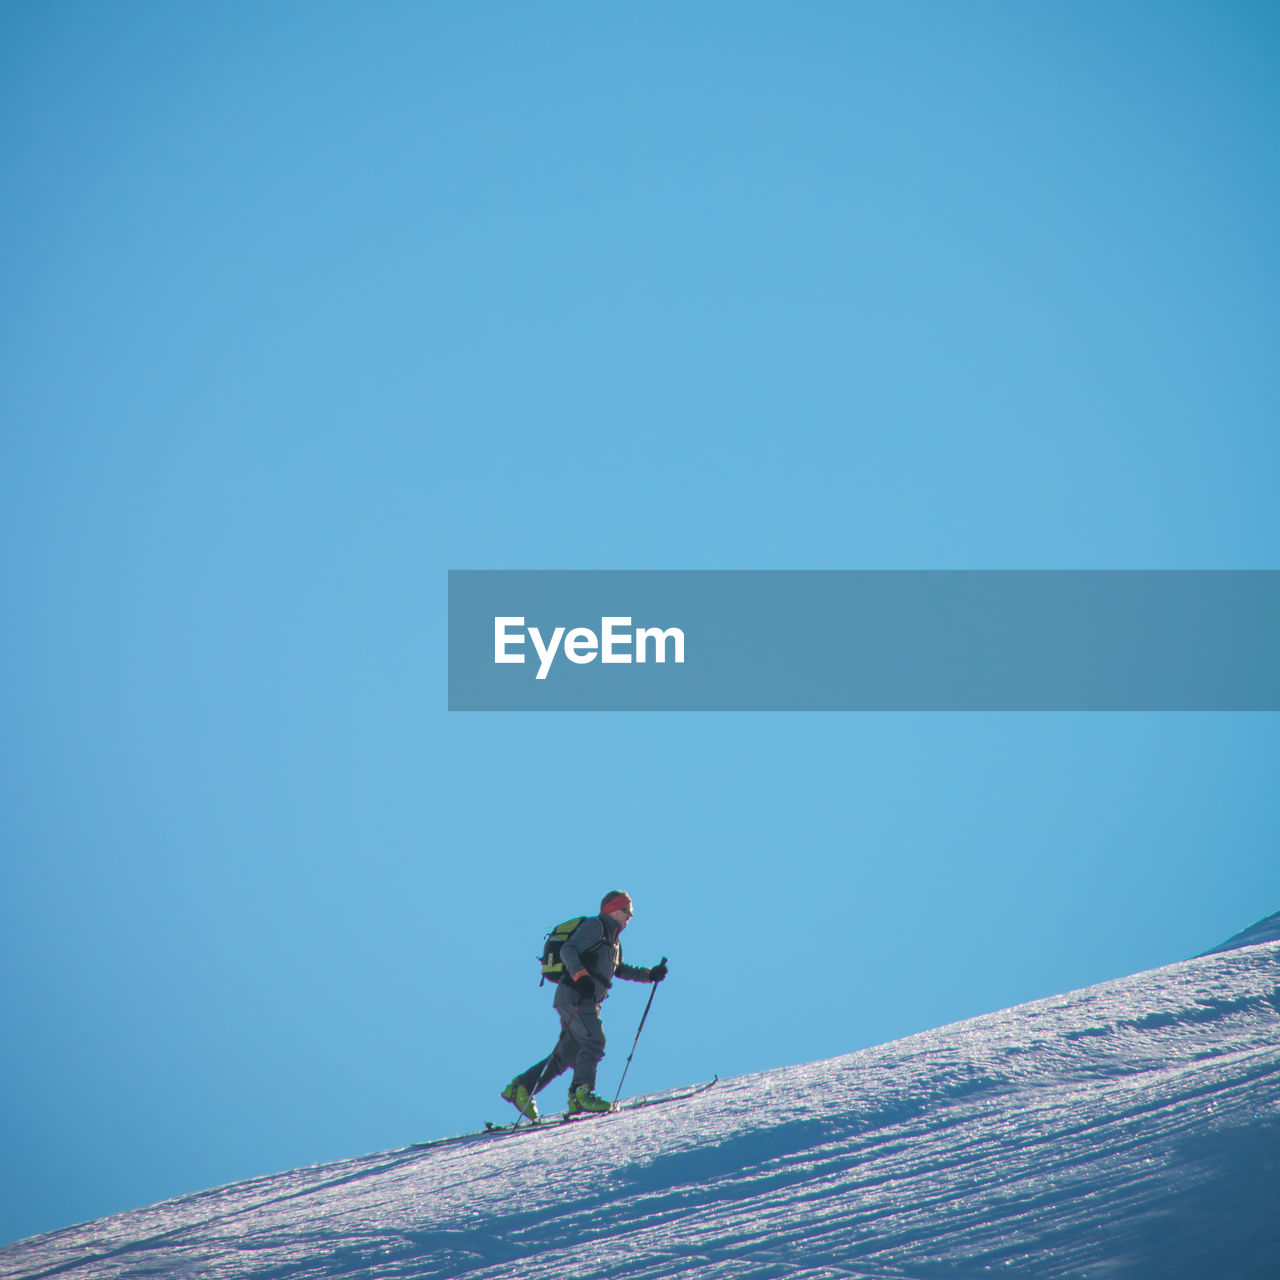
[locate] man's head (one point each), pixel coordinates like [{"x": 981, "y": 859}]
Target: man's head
[{"x": 617, "y": 906}]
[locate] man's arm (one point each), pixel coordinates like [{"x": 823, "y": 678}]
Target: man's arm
[
  {"x": 634, "y": 974},
  {"x": 590, "y": 933}
]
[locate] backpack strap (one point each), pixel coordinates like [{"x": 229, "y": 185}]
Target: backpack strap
[{"x": 594, "y": 947}]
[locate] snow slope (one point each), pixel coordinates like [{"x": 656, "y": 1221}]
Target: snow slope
[
  {"x": 1267, "y": 930},
  {"x": 1128, "y": 1130}
]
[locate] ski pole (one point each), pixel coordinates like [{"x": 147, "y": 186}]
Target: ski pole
[{"x": 639, "y": 1029}]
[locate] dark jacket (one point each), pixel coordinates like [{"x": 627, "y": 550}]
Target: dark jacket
[{"x": 595, "y": 946}]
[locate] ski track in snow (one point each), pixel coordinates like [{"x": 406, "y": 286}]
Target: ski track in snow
[{"x": 1126, "y": 1131}]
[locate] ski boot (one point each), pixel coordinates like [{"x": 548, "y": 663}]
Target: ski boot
[
  {"x": 583, "y": 1100},
  {"x": 520, "y": 1098}
]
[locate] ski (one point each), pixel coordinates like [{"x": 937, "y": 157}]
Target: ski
[
  {"x": 557, "y": 1119},
  {"x": 630, "y": 1104},
  {"x": 636, "y": 1104}
]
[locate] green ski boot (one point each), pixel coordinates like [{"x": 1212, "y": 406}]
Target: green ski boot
[
  {"x": 520, "y": 1098},
  {"x": 582, "y": 1100}
]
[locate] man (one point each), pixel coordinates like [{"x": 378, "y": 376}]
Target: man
[{"x": 592, "y": 958}]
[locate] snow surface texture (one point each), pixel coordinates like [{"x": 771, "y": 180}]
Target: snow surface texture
[{"x": 1128, "y": 1130}]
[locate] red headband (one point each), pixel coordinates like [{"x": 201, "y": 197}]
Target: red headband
[{"x": 618, "y": 900}]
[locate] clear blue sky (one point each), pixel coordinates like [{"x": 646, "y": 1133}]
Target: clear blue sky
[{"x": 307, "y": 303}]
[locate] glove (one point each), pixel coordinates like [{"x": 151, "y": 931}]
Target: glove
[
  {"x": 585, "y": 986},
  {"x": 658, "y": 972}
]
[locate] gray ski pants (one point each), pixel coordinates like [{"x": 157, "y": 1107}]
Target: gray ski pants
[{"x": 581, "y": 1045}]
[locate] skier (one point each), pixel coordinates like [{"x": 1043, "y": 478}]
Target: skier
[{"x": 592, "y": 958}]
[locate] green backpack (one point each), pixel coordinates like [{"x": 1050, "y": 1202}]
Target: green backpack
[{"x": 552, "y": 965}]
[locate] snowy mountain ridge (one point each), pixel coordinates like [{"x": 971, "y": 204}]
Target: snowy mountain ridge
[
  {"x": 1127, "y": 1130},
  {"x": 1266, "y": 930}
]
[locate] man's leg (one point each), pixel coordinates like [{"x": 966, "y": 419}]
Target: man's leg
[
  {"x": 565, "y": 1053},
  {"x": 588, "y": 1031},
  {"x": 559, "y": 1059}
]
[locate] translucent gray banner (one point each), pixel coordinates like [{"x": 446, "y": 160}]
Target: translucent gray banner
[{"x": 758, "y": 640}]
